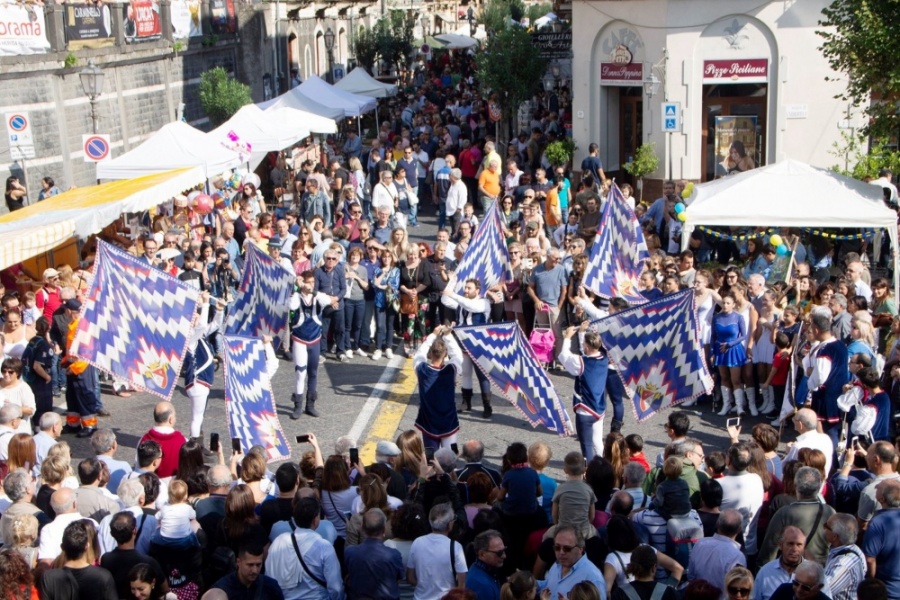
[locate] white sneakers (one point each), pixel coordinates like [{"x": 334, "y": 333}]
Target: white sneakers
[
  {"x": 389, "y": 354},
  {"x": 376, "y": 355}
]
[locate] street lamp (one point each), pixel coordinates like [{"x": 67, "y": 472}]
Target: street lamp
[
  {"x": 651, "y": 88},
  {"x": 92, "y": 78},
  {"x": 329, "y": 48}
]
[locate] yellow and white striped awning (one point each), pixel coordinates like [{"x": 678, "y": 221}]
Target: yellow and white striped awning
[{"x": 17, "y": 246}]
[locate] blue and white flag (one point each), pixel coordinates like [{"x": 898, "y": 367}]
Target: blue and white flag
[
  {"x": 504, "y": 355},
  {"x": 262, "y": 305},
  {"x": 619, "y": 252},
  {"x": 249, "y": 402},
  {"x": 657, "y": 351},
  {"x": 487, "y": 257},
  {"x": 135, "y": 322}
]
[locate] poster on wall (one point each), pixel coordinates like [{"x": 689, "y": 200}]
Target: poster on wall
[
  {"x": 223, "y": 18},
  {"x": 736, "y": 149},
  {"x": 22, "y": 30},
  {"x": 186, "y": 19},
  {"x": 88, "y": 25},
  {"x": 142, "y": 21}
]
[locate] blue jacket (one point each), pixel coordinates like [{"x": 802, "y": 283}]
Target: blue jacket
[{"x": 482, "y": 582}]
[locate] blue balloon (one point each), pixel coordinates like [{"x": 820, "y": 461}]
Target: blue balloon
[
  {"x": 679, "y": 208},
  {"x": 782, "y": 250}
]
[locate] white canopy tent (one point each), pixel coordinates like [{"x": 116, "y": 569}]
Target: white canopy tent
[
  {"x": 457, "y": 41},
  {"x": 791, "y": 194},
  {"x": 261, "y": 130},
  {"x": 318, "y": 89},
  {"x": 299, "y": 101},
  {"x": 358, "y": 81},
  {"x": 175, "y": 146}
]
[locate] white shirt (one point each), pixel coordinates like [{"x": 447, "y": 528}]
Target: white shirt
[
  {"x": 108, "y": 544},
  {"x": 52, "y": 535},
  {"x": 863, "y": 289},
  {"x": 175, "y": 520},
  {"x": 816, "y": 441},
  {"x": 429, "y": 557},
  {"x": 744, "y": 492},
  {"x": 6, "y": 434},
  {"x": 421, "y": 158},
  {"x": 383, "y": 196},
  {"x": 457, "y": 196}
]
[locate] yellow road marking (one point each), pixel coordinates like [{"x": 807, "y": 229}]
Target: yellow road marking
[{"x": 384, "y": 427}]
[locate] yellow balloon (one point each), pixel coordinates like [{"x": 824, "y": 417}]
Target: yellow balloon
[
  {"x": 776, "y": 240},
  {"x": 688, "y": 190},
  {"x": 682, "y": 216}
]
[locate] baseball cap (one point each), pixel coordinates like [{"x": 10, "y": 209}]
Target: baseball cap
[
  {"x": 73, "y": 304},
  {"x": 532, "y": 225},
  {"x": 386, "y": 448},
  {"x": 275, "y": 242},
  {"x": 48, "y": 273}
]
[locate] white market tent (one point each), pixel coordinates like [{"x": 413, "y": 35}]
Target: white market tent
[
  {"x": 791, "y": 194},
  {"x": 318, "y": 89},
  {"x": 456, "y": 41},
  {"x": 263, "y": 131},
  {"x": 297, "y": 100},
  {"x": 358, "y": 81},
  {"x": 175, "y": 146}
]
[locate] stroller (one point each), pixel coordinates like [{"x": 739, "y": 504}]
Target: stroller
[{"x": 542, "y": 337}]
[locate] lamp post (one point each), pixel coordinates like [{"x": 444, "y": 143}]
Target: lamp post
[
  {"x": 651, "y": 87},
  {"x": 329, "y": 49},
  {"x": 549, "y": 82},
  {"x": 92, "y": 78}
]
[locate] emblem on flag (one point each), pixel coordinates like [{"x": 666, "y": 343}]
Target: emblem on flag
[
  {"x": 487, "y": 257},
  {"x": 503, "y": 354},
  {"x": 249, "y": 402},
  {"x": 618, "y": 254},
  {"x": 263, "y": 299},
  {"x": 135, "y": 322},
  {"x": 657, "y": 351}
]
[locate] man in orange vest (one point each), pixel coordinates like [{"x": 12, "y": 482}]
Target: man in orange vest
[{"x": 82, "y": 399}]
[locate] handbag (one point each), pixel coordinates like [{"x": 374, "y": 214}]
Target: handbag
[{"x": 409, "y": 304}]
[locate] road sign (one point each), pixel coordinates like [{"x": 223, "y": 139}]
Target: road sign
[
  {"x": 671, "y": 117},
  {"x": 21, "y": 140},
  {"x": 96, "y": 147},
  {"x": 494, "y": 111}
]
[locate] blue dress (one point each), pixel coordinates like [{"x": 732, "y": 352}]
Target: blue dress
[{"x": 728, "y": 329}]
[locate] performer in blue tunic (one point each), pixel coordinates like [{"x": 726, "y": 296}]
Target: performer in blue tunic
[
  {"x": 830, "y": 371},
  {"x": 728, "y": 335},
  {"x": 436, "y": 362},
  {"x": 306, "y": 333},
  {"x": 590, "y": 371},
  {"x": 470, "y": 310},
  {"x": 199, "y": 363}
]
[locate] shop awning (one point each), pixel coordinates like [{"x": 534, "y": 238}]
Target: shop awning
[{"x": 84, "y": 211}]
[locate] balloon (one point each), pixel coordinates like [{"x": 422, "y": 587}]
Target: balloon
[
  {"x": 679, "y": 208},
  {"x": 219, "y": 200},
  {"x": 688, "y": 190},
  {"x": 203, "y": 204},
  {"x": 781, "y": 250},
  {"x": 682, "y": 216},
  {"x": 776, "y": 240}
]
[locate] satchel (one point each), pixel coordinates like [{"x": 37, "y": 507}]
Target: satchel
[{"x": 409, "y": 304}]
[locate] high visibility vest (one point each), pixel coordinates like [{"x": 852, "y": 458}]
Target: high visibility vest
[{"x": 74, "y": 365}]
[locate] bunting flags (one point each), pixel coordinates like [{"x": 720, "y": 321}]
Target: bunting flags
[
  {"x": 135, "y": 322},
  {"x": 618, "y": 254},
  {"x": 657, "y": 351},
  {"x": 487, "y": 257},
  {"x": 503, "y": 354},
  {"x": 263, "y": 300},
  {"x": 249, "y": 402}
]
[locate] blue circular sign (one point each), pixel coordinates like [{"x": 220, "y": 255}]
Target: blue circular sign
[
  {"x": 18, "y": 123},
  {"x": 96, "y": 148}
]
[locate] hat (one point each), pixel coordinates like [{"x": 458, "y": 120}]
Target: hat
[
  {"x": 532, "y": 225},
  {"x": 386, "y": 448},
  {"x": 49, "y": 273},
  {"x": 73, "y": 304},
  {"x": 275, "y": 242}
]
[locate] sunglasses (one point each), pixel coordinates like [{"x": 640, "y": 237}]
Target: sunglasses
[
  {"x": 500, "y": 552},
  {"x": 562, "y": 548},
  {"x": 330, "y": 258},
  {"x": 8, "y": 371},
  {"x": 738, "y": 591}
]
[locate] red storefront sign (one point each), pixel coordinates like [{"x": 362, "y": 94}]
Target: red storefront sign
[
  {"x": 740, "y": 70},
  {"x": 621, "y": 74}
]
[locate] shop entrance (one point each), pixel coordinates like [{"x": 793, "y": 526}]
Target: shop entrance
[
  {"x": 631, "y": 127},
  {"x": 734, "y": 128}
]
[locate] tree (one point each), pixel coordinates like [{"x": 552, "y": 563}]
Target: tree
[
  {"x": 221, "y": 95},
  {"x": 496, "y": 14},
  {"x": 536, "y": 11},
  {"x": 860, "y": 41},
  {"x": 510, "y": 67},
  {"x": 645, "y": 161},
  {"x": 859, "y": 163},
  {"x": 390, "y": 41},
  {"x": 366, "y": 49}
]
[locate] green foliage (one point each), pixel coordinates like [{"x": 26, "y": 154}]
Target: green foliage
[
  {"x": 536, "y": 11},
  {"x": 560, "y": 152},
  {"x": 221, "y": 95},
  {"x": 861, "y": 42},
  {"x": 390, "y": 40},
  {"x": 210, "y": 40},
  {"x": 645, "y": 161},
  {"x": 70, "y": 61},
  {"x": 496, "y": 14},
  {"x": 366, "y": 50},
  {"x": 859, "y": 163},
  {"x": 178, "y": 46},
  {"x": 511, "y": 67}
]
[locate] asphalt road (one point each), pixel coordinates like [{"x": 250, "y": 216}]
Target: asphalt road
[{"x": 377, "y": 400}]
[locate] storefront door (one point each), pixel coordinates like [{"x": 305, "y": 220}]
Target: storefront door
[
  {"x": 733, "y": 129},
  {"x": 631, "y": 127}
]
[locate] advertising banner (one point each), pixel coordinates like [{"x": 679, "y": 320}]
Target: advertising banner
[
  {"x": 223, "y": 17},
  {"x": 736, "y": 149},
  {"x": 142, "y": 21},
  {"x": 88, "y": 25},
  {"x": 739, "y": 70},
  {"x": 22, "y": 30},
  {"x": 186, "y": 19}
]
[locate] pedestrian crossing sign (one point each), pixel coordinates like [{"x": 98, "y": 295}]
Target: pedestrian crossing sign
[{"x": 671, "y": 117}]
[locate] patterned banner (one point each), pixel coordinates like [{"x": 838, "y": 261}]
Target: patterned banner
[
  {"x": 657, "y": 351},
  {"x": 502, "y": 353},
  {"x": 487, "y": 257},
  {"x": 263, "y": 300},
  {"x": 618, "y": 254},
  {"x": 249, "y": 401},
  {"x": 135, "y": 322}
]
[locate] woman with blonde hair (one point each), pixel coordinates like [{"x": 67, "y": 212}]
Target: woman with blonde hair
[
  {"x": 615, "y": 450},
  {"x": 412, "y": 455},
  {"x": 253, "y": 471},
  {"x": 399, "y": 243},
  {"x": 862, "y": 335},
  {"x": 24, "y": 529},
  {"x": 372, "y": 494},
  {"x": 738, "y": 584}
]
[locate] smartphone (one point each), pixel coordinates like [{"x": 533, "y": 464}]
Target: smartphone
[
  {"x": 854, "y": 441},
  {"x": 235, "y": 444},
  {"x": 733, "y": 422},
  {"x": 429, "y": 454},
  {"x": 528, "y": 263},
  {"x": 354, "y": 456},
  {"x": 214, "y": 442},
  {"x": 303, "y": 439},
  {"x": 455, "y": 447}
]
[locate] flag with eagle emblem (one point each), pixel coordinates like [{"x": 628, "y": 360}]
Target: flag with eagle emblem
[
  {"x": 657, "y": 351},
  {"x": 503, "y": 354},
  {"x": 135, "y": 321}
]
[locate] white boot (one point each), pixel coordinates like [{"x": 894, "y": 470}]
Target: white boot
[
  {"x": 739, "y": 400},
  {"x": 751, "y": 400},
  {"x": 727, "y": 403},
  {"x": 771, "y": 403},
  {"x": 690, "y": 403}
]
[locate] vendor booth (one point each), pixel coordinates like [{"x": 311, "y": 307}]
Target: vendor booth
[{"x": 358, "y": 81}]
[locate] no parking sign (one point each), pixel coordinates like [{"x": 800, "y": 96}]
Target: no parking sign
[{"x": 95, "y": 147}]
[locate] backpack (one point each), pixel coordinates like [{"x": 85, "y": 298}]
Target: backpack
[
  {"x": 28, "y": 375},
  {"x": 682, "y": 532},
  {"x": 658, "y": 591}
]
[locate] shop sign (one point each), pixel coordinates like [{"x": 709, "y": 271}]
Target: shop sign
[
  {"x": 624, "y": 50},
  {"x": 740, "y": 70},
  {"x": 22, "y": 30},
  {"x": 621, "y": 74},
  {"x": 551, "y": 44},
  {"x": 142, "y": 21},
  {"x": 186, "y": 19},
  {"x": 90, "y": 23}
]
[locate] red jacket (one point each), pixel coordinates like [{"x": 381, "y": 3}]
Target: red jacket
[{"x": 171, "y": 444}]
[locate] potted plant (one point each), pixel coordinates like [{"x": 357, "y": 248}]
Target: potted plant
[
  {"x": 560, "y": 152},
  {"x": 644, "y": 162}
]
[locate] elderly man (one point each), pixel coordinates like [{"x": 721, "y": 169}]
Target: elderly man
[
  {"x": 781, "y": 570},
  {"x": 805, "y": 423},
  {"x": 807, "y": 513},
  {"x": 64, "y": 505},
  {"x": 170, "y": 440},
  {"x": 572, "y": 566},
  {"x": 353, "y": 146},
  {"x": 484, "y": 576},
  {"x": 743, "y": 490},
  {"x": 373, "y": 569},
  {"x": 19, "y": 487},
  {"x": 10, "y": 419},
  {"x": 329, "y": 280},
  {"x": 548, "y": 291},
  {"x": 211, "y": 510},
  {"x": 473, "y": 455},
  {"x": 442, "y": 183},
  {"x": 429, "y": 555},
  {"x": 489, "y": 183},
  {"x": 854, "y": 273},
  {"x": 713, "y": 557},
  {"x": 841, "y": 319},
  {"x": 49, "y": 429},
  {"x": 881, "y": 461},
  {"x": 830, "y": 372},
  {"x": 131, "y": 496},
  {"x": 47, "y": 298},
  {"x": 881, "y": 544},
  {"x": 385, "y": 194},
  {"x": 457, "y": 198},
  {"x": 92, "y": 502},
  {"x": 105, "y": 445},
  {"x": 846, "y": 564},
  {"x": 123, "y": 531},
  {"x": 808, "y": 584}
]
